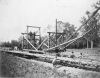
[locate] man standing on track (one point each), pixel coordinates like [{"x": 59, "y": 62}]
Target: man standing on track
[{"x": 54, "y": 62}]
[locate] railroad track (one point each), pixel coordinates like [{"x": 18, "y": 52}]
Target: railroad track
[{"x": 63, "y": 61}]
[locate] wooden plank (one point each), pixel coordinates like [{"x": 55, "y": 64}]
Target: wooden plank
[
  {"x": 42, "y": 42},
  {"x": 34, "y": 26},
  {"x": 30, "y": 43}
]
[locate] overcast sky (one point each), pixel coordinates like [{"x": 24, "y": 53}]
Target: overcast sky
[{"x": 15, "y": 15}]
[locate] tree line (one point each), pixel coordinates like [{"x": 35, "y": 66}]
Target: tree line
[{"x": 11, "y": 44}]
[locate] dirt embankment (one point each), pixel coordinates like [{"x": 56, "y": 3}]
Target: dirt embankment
[{"x": 13, "y": 67}]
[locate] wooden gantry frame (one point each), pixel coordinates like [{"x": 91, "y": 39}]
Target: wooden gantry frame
[{"x": 28, "y": 40}]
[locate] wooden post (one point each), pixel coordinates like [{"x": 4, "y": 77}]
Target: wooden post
[
  {"x": 40, "y": 35},
  {"x": 31, "y": 44},
  {"x": 49, "y": 41},
  {"x": 56, "y": 32},
  {"x": 27, "y": 37},
  {"x": 91, "y": 44},
  {"x": 63, "y": 37},
  {"x": 87, "y": 44},
  {"x": 22, "y": 42}
]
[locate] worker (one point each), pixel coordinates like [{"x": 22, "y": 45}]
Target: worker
[
  {"x": 72, "y": 56},
  {"x": 57, "y": 52},
  {"x": 54, "y": 61},
  {"x": 81, "y": 55}
]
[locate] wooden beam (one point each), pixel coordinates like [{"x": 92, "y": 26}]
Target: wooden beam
[
  {"x": 59, "y": 37},
  {"x": 67, "y": 41},
  {"x": 42, "y": 42},
  {"x": 53, "y": 40},
  {"x": 22, "y": 42},
  {"x": 46, "y": 45},
  {"x": 23, "y": 33},
  {"x": 34, "y": 26},
  {"x": 30, "y": 43},
  {"x": 57, "y": 32},
  {"x": 40, "y": 35},
  {"x": 49, "y": 40}
]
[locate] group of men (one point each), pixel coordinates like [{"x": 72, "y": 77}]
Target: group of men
[{"x": 54, "y": 62}]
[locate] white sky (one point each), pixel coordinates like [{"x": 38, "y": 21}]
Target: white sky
[{"x": 15, "y": 15}]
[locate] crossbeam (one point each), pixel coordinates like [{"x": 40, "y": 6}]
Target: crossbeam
[
  {"x": 55, "y": 32},
  {"x": 46, "y": 45},
  {"x": 23, "y": 33},
  {"x": 34, "y": 26},
  {"x": 52, "y": 40},
  {"x": 30, "y": 43},
  {"x": 42, "y": 42}
]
